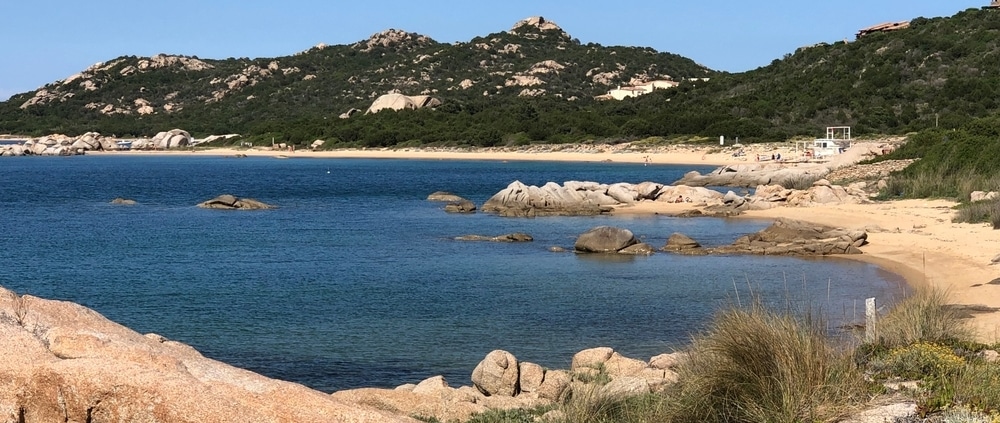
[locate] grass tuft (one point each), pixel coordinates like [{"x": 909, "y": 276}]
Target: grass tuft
[
  {"x": 924, "y": 316},
  {"x": 755, "y": 365}
]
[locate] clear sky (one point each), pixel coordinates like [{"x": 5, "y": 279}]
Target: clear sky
[{"x": 42, "y": 41}]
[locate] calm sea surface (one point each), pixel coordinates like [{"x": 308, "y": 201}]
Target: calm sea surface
[{"x": 355, "y": 280}]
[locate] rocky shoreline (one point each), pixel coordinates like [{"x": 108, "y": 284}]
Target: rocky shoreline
[
  {"x": 62, "y": 145},
  {"x": 66, "y": 362}
]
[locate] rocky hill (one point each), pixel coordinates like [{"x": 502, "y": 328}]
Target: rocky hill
[
  {"x": 141, "y": 95},
  {"x": 936, "y": 72},
  {"x": 533, "y": 84}
]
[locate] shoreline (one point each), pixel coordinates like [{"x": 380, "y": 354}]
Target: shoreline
[
  {"x": 662, "y": 155},
  {"x": 914, "y": 239}
]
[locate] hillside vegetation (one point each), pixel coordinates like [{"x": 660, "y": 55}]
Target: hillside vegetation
[{"x": 534, "y": 84}]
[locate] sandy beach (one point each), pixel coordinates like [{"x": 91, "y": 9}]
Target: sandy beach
[
  {"x": 688, "y": 155},
  {"x": 915, "y": 239}
]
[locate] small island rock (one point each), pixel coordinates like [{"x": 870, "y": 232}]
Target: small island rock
[
  {"x": 445, "y": 197},
  {"x": 463, "y": 206},
  {"x": 679, "y": 242},
  {"x": 605, "y": 239},
  {"x": 230, "y": 202},
  {"x": 123, "y": 202}
]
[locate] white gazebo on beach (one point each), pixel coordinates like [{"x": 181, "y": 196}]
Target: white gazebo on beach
[{"x": 838, "y": 139}]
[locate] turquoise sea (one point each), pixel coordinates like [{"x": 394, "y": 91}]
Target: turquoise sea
[{"x": 355, "y": 279}]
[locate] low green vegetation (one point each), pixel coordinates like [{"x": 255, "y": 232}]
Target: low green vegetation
[
  {"x": 753, "y": 364},
  {"x": 952, "y": 165}
]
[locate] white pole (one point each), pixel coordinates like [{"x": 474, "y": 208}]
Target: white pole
[
  {"x": 870, "y": 317},
  {"x": 722, "y": 140}
]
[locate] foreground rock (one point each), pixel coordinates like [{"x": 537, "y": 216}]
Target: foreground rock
[
  {"x": 502, "y": 382},
  {"x": 62, "y": 362},
  {"x": 230, "y": 202}
]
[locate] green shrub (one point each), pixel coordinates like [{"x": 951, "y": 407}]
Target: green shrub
[
  {"x": 977, "y": 386},
  {"x": 920, "y": 361}
]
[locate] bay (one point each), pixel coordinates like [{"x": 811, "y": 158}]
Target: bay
[{"x": 355, "y": 280}]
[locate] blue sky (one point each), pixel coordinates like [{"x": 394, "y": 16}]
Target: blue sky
[{"x": 42, "y": 41}]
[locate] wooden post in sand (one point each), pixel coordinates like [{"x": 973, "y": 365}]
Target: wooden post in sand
[{"x": 870, "y": 317}]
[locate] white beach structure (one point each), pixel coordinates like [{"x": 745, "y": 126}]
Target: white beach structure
[{"x": 837, "y": 139}]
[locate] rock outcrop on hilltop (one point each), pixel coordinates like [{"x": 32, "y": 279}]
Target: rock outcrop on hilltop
[
  {"x": 393, "y": 38},
  {"x": 397, "y": 102},
  {"x": 62, "y": 362},
  {"x": 537, "y": 22}
]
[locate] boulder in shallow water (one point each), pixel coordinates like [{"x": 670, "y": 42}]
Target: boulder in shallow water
[
  {"x": 461, "y": 207},
  {"x": 640, "y": 249},
  {"x": 605, "y": 239},
  {"x": 680, "y": 243},
  {"x": 445, "y": 197},
  {"x": 514, "y": 237},
  {"x": 123, "y": 202},
  {"x": 231, "y": 202}
]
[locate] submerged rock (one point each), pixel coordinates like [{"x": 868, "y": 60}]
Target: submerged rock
[
  {"x": 445, "y": 197},
  {"x": 123, "y": 202},
  {"x": 514, "y": 237},
  {"x": 230, "y": 202},
  {"x": 461, "y": 207}
]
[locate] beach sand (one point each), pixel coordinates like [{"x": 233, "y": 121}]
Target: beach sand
[
  {"x": 709, "y": 156},
  {"x": 915, "y": 239},
  {"x": 912, "y": 238}
]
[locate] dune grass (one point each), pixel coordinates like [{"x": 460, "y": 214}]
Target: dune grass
[
  {"x": 987, "y": 211},
  {"x": 922, "y": 317},
  {"x": 757, "y": 365},
  {"x": 754, "y": 364}
]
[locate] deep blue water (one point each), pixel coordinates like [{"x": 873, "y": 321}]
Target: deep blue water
[{"x": 355, "y": 280}]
